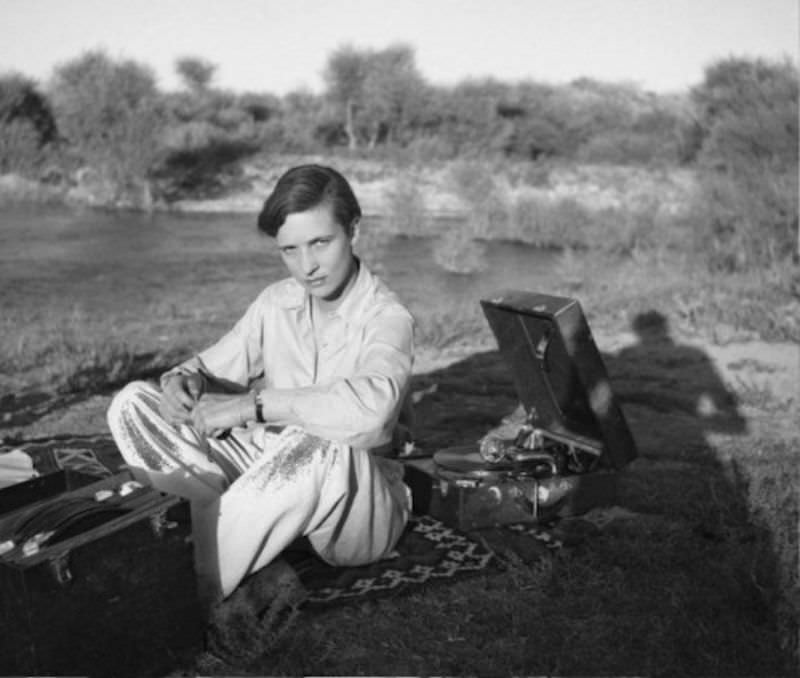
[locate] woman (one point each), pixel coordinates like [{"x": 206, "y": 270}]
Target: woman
[{"x": 272, "y": 431}]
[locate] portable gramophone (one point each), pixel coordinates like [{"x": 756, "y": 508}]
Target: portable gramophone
[{"x": 560, "y": 452}]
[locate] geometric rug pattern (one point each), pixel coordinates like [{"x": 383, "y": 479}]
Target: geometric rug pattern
[
  {"x": 427, "y": 552},
  {"x": 94, "y": 455}
]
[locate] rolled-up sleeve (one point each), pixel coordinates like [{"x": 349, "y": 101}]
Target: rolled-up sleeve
[{"x": 360, "y": 409}]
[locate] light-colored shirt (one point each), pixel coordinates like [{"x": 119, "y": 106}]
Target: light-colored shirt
[{"x": 348, "y": 384}]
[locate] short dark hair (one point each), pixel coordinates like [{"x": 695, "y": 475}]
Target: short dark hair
[{"x": 306, "y": 187}]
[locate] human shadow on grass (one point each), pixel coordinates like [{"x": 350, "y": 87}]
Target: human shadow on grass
[
  {"x": 676, "y": 380},
  {"x": 688, "y": 422}
]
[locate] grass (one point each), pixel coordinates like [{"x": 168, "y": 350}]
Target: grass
[
  {"x": 77, "y": 353},
  {"x": 448, "y": 328},
  {"x": 692, "y": 583},
  {"x": 17, "y": 190},
  {"x": 683, "y": 605},
  {"x": 603, "y": 209},
  {"x": 701, "y": 580}
]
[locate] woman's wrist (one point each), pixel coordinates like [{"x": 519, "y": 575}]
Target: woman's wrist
[
  {"x": 258, "y": 407},
  {"x": 246, "y": 410}
]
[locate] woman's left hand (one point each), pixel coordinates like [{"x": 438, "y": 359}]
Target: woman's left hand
[{"x": 216, "y": 412}]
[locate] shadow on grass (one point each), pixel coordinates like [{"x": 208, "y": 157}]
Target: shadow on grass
[
  {"x": 28, "y": 406},
  {"x": 690, "y": 583},
  {"x": 682, "y": 584},
  {"x": 686, "y": 584}
]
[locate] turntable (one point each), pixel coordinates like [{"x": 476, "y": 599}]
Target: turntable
[{"x": 560, "y": 452}]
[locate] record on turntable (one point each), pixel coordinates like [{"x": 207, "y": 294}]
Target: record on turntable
[{"x": 469, "y": 463}]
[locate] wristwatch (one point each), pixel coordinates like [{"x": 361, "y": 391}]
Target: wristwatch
[{"x": 259, "y": 407}]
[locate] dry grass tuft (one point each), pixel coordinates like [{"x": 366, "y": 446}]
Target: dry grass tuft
[
  {"x": 456, "y": 252},
  {"x": 451, "y": 326}
]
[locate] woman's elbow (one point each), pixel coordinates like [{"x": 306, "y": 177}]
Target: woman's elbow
[{"x": 376, "y": 416}]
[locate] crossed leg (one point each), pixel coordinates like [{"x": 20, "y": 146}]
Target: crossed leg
[{"x": 255, "y": 492}]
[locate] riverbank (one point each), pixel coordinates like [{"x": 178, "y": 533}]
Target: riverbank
[{"x": 441, "y": 189}]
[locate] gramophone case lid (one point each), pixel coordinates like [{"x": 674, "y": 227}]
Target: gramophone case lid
[{"x": 558, "y": 372}]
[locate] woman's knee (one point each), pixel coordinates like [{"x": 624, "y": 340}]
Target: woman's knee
[{"x": 135, "y": 395}]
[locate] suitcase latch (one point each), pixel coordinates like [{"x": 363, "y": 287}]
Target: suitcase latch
[
  {"x": 59, "y": 568},
  {"x": 160, "y": 524}
]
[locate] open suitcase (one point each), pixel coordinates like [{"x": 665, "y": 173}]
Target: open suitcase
[
  {"x": 107, "y": 587},
  {"x": 559, "y": 454}
]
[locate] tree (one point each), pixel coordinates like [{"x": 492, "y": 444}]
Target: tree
[
  {"x": 26, "y": 125},
  {"x": 748, "y": 114},
  {"x": 344, "y": 77},
  {"x": 260, "y": 107},
  {"x": 110, "y": 113},
  {"x": 21, "y": 101},
  {"x": 469, "y": 115},
  {"x": 377, "y": 93},
  {"x": 748, "y": 109},
  {"x": 393, "y": 90},
  {"x": 197, "y": 73},
  {"x": 303, "y": 113}
]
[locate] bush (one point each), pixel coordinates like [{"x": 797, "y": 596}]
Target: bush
[
  {"x": 406, "y": 204},
  {"x": 200, "y": 159},
  {"x": 210, "y": 132},
  {"x": 20, "y": 150},
  {"x": 456, "y": 252},
  {"x": 748, "y": 220},
  {"x": 748, "y": 111},
  {"x": 110, "y": 113},
  {"x": 26, "y": 126},
  {"x": 549, "y": 223},
  {"x": 21, "y": 101},
  {"x": 623, "y": 147},
  {"x": 472, "y": 181},
  {"x": 427, "y": 149}
]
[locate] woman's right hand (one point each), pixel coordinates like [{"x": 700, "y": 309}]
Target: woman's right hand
[{"x": 179, "y": 396}]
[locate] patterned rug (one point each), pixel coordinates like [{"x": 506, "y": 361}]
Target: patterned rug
[
  {"x": 429, "y": 552},
  {"x": 94, "y": 455}
]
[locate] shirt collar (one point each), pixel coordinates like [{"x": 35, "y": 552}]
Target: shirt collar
[
  {"x": 354, "y": 300},
  {"x": 294, "y": 295}
]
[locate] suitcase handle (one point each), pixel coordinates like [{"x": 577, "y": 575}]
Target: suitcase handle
[{"x": 64, "y": 518}]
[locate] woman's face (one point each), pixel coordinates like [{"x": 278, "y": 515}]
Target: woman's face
[{"x": 318, "y": 251}]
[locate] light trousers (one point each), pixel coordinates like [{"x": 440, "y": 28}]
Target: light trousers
[{"x": 255, "y": 491}]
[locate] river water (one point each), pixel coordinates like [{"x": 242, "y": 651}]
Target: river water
[{"x": 105, "y": 261}]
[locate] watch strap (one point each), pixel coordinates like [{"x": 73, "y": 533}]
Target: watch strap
[{"x": 259, "y": 403}]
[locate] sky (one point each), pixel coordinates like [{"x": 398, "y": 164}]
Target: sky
[{"x": 282, "y": 45}]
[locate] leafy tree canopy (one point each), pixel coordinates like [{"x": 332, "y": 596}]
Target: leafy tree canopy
[
  {"x": 196, "y": 73},
  {"x": 748, "y": 110},
  {"x": 378, "y": 92},
  {"x": 110, "y": 112},
  {"x": 21, "y": 102}
]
